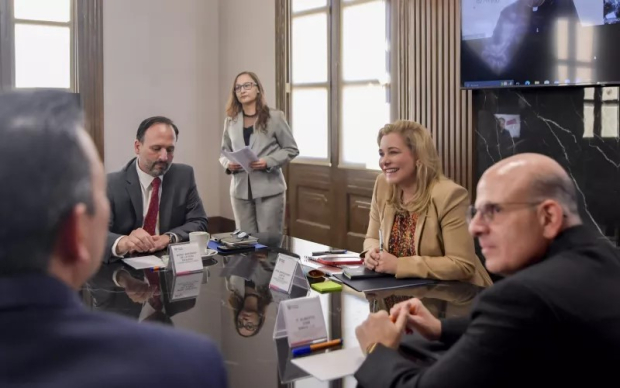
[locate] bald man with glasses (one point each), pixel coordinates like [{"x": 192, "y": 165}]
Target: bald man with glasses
[{"x": 553, "y": 321}]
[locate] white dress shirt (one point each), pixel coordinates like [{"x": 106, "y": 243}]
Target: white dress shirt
[{"x": 146, "y": 186}]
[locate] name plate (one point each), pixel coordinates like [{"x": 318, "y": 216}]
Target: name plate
[
  {"x": 186, "y": 286},
  {"x": 304, "y": 320},
  {"x": 284, "y": 273},
  {"x": 185, "y": 258}
]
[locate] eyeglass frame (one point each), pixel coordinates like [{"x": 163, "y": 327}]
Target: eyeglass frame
[
  {"x": 243, "y": 86},
  {"x": 249, "y": 325},
  {"x": 488, "y": 215}
]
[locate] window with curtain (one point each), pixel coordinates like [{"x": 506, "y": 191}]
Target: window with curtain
[{"x": 339, "y": 79}]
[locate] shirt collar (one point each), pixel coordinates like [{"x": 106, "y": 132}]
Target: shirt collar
[
  {"x": 35, "y": 290},
  {"x": 573, "y": 237},
  {"x": 146, "y": 179}
]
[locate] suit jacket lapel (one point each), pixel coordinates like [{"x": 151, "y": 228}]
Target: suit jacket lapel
[
  {"x": 418, "y": 231},
  {"x": 165, "y": 202},
  {"x": 254, "y": 135},
  {"x": 134, "y": 190},
  {"x": 236, "y": 133},
  {"x": 253, "y": 138}
]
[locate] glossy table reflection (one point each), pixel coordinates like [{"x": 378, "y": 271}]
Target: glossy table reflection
[{"x": 231, "y": 302}]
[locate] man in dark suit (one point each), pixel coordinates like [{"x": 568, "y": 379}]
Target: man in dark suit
[
  {"x": 153, "y": 202},
  {"x": 54, "y": 214},
  {"x": 553, "y": 321}
]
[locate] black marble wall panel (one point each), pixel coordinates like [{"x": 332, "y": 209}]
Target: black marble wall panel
[{"x": 576, "y": 126}]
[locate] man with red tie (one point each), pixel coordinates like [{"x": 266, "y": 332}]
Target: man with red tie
[{"x": 153, "y": 202}]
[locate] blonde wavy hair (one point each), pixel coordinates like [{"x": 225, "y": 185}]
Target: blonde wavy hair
[{"x": 427, "y": 169}]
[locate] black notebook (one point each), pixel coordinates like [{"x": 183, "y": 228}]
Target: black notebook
[
  {"x": 363, "y": 273},
  {"x": 382, "y": 283}
]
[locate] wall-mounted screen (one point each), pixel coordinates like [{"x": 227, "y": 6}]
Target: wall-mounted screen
[{"x": 515, "y": 43}]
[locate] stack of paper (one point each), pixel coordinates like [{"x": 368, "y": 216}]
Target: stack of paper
[
  {"x": 332, "y": 365},
  {"x": 321, "y": 267},
  {"x": 244, "y": 157},
  {"x": 144, "y": 262}
]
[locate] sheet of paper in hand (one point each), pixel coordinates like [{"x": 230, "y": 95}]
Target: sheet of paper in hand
[{"x": 244, "y": 157}]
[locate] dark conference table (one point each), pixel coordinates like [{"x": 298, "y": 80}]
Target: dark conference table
[{"x": 252, "y": 356}]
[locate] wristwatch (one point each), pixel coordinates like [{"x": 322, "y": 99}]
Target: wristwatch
[{"x": 173, "y": 237}]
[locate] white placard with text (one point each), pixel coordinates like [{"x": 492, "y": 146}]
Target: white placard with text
[
  {"x": 186, "y": 286},
  {"x": 284, "y": 273},
  {"x": 185, "y": 258},
  {"x": 303, "y": 320}
]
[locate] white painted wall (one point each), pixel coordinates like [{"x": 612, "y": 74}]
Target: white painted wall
[
  {"x": 178, "y": 59},
  {"x": 161, "y": 58},
  {"x": 247, "y": 42}
]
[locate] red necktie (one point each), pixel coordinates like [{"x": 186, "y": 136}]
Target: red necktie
[
  {"x": 150, "y": 221},
  {"x": 154, "y": 300}
]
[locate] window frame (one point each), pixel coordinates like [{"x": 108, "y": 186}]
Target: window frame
[
  {"x": 87, "y": 60},
  {"x": 335, "y": 82},
  {"x": 596, "y": 103},
  {"x": 390, "y": 58},
  {"x": 71, "y": 24},
  {"x": 311, "y": 85}
]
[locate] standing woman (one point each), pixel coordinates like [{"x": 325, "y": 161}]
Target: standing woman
[{"x": 258, "y": 196}]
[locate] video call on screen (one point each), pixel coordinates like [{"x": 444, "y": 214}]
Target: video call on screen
[{"x": 507, "y": 43}]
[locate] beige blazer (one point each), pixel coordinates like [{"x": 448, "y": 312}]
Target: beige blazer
[
  {"x": 444, "y": 247},
  {"x": 276, "y": 145}
]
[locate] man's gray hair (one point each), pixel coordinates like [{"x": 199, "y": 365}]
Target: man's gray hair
[
  {"x": 557, "y": 187},
  {"x": 44, "y": 174}
]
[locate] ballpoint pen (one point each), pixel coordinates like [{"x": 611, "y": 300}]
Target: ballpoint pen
[
  {"x": 156, "y": 269},
  {"x": 310, "y": 348},
  {"x": 331, "y": 252},
  {"x": 380, "y": 240},
  {"x": 333, "y": 278}
]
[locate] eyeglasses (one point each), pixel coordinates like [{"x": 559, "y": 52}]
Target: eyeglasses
[
  {"x": 490, "y": 210},
  {"x": 245, "y": 86},
  {"x": 250, "y": 325},
  {"x": 246, "y": 325}
]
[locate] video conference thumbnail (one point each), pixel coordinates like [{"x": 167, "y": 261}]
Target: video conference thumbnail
[{"x": 540, "y": 41}]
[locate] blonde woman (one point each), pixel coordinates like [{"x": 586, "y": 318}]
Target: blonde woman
[{"x": 420, "y": 213}]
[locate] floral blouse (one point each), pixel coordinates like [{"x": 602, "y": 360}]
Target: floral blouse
[{"x": 402, "y": 242}]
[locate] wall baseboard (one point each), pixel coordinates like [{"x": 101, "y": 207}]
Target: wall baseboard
[{"x": 219, "y": 224}]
